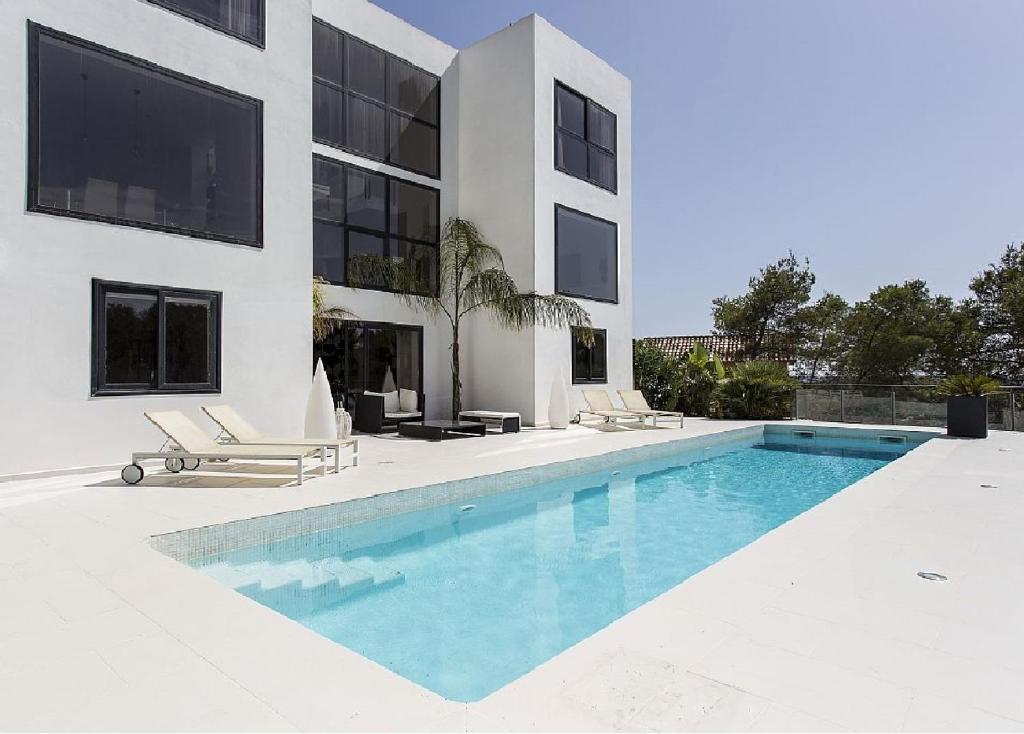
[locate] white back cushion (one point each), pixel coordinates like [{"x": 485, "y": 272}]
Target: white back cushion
[
  {"x": 408, "y": 400},
  {"x": 391, "y": 402}
]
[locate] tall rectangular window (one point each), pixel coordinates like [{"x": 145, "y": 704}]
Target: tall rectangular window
[
  {"x": 363, "y": 213},
  {"x": 373, "y": 103},
  {"x": 589, "y": 361},
  {"x": 151, "y": 339},
  {"x": 244, "y": 19},
  {"x": 117, "y": 139},
  {"x": 586, "y": 255},
  {"x": 585, "y": 138}
]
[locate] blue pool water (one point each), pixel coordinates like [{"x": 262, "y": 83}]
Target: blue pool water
[{"x": 464, "y": 599}]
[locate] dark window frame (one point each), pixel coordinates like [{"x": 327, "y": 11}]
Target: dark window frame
[
  {"x": 384, "y": 105},
  {"x": 360, "y": 324},
  {"x": 387, "y": 235},
  {"x": 259, "y": 42},
  {"x": 35, "y": 30},
  {"x": 588, "y": 380},
  {"x": 566, "y": 292},
  {"x": 99, "y": 385},
  {"x": 585, "y": 139}
]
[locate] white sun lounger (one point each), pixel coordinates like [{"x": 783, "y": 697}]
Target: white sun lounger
[
  {"x": 241, "y": 431},
  {"x": 635, "y": 401},
  {"x": 599, "y": 404},
  {"x": 191, "y": 445}
]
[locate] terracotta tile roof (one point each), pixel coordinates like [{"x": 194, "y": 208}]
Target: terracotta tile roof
[{"x": 728, "y": 348}]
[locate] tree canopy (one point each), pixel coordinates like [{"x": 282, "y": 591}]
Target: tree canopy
[{"x": 900, "y": 333}]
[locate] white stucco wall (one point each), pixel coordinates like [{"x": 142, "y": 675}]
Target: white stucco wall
[
  {"x": 47, "y": 263},
  {"x": 559, "y": 57},
  {"x": 509, "y": 187},
  {"x": 496, "y": 179}
]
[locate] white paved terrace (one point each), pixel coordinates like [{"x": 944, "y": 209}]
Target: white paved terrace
[{"x": 821, "y": 624}]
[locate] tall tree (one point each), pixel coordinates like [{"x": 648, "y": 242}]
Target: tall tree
[
  {"x": 890, "y": 335},
  {"x": 820, "y": 336},
  {"x": 999, "y": 291},
  {"x": 764, "y": 317},
  {"x": 471, "y": 278}
]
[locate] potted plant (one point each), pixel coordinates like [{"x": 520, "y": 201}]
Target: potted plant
[{"x": 967, "y": 404}]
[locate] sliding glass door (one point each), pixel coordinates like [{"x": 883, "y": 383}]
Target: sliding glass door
[{"x": 373, "y": 356}]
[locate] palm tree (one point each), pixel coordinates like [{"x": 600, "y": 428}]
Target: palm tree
[
  {"x": 325, "y": 318},
  {"x": 471, "y": 277}
]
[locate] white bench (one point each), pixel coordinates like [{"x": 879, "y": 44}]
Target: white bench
[{"x": 504, "y": 422}]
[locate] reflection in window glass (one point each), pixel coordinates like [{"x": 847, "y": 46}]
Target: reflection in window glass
[
  {"x": 364, "y": 68},
  {"x": 242, "y": 18},
  {"x": 131, "y": 346},
  {"x": 187, "y": 330},
  {"x": 413, "y": 145},
  {"x": 413, "y": 91},
  {"x": 589, "y": 361},
  {"x": 329, "y": 252},
  {"x": 328, "y": 191},
  {"x": 414, "y": 212},
  {"x": 136, "y": 146},
  {"x": 586, "y": 256},
  {"x": 366, "y": 193},
  {"x": 365, "y": 124}
]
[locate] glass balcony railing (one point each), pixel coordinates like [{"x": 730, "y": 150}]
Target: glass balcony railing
[{"x": 899, "y": 405}]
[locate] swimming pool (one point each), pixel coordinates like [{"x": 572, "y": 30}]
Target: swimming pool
[{"x": 464, "y": 598}]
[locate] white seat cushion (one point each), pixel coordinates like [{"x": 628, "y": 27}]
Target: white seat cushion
[
  {"x": 391, "y": 402},
  {"x": 401, "y": 415},
  {"x": 408, "y": 401}
]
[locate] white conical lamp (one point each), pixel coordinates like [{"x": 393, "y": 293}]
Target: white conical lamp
[
  {"x": 558, "y": 404},
  {"x": 320, "y": 406}
]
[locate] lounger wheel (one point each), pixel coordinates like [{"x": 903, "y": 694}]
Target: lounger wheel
[
  {"x": 132, "y": 474},
  {"x": 174, "y": 464},
  {"x": 190, "y": 464}
]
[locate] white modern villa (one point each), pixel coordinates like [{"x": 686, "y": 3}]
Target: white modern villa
[{"x": 158, "y": 236}]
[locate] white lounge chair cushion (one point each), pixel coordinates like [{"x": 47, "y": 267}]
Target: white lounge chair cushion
[
  {"x": 408, "y": 401},
  {"x": 598, "y": 400},
  {"x": 401, "y": 415},
  {"x": 634, "y": 400}
]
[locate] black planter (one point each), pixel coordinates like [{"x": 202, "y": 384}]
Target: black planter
[{"x": 967, "y": 416}]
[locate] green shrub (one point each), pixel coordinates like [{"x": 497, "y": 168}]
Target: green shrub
[
  {"x": 656, "y": 374},
  {"x": 755, "y": 390},
  {"x": 701, "y": 372}
]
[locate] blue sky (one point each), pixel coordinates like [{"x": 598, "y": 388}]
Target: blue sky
[{"x": 882, "y": 139}]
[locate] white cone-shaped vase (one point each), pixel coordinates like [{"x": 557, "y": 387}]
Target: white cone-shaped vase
[
  {"x": 320, "y": 406},
  {"x": 558, "y": 404}
]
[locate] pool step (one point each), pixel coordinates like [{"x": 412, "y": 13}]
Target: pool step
[{"x": 304, "y": 587}]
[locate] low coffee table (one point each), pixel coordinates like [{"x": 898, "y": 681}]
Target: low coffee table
[
  {"x": 440, "y": 430},
  {"x": 504, "y": 422}
]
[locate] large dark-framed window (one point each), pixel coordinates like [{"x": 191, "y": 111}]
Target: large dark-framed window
[
  {"x": 116, "y": 139},
  {"x": 154, "y": 339},
  {"x": 373, "y": 103},
  {"x": 589, "y": 362},
  {"x": 243, "y": 19},
  {"x": 586, "y": 255},
  {"x": 585, "y": 138},
  {"x": 371, "y": 355},
  {"x": 358, "y": 212}
]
